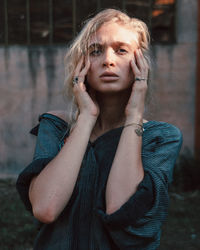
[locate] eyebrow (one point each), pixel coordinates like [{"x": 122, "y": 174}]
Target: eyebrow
[
  {"x": 94, "y": 45},
  {"x": 114, "y": 43}
]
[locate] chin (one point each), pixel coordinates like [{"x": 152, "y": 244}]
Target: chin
[
  {"x": 113, "y": 89},
  {"x": 109, "y": 87}
]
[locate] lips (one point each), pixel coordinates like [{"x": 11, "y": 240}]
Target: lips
[{"x": 109, "y": 76}]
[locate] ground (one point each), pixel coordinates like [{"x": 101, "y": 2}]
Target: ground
[{"x": 180, "y": 232}]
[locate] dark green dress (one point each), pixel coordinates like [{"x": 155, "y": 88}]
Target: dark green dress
[{"x": 84, "y": 224}]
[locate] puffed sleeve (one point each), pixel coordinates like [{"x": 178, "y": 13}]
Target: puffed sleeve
[
  {"x": 50, "y": 133},
  {"x": 137, "y": 223}
]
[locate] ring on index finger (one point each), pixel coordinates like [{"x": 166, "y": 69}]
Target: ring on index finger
[
  {"x": 75, "y": 80},
  {"x": 140, "y": 79}
]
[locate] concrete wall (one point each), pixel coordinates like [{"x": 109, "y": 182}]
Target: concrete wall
[
  {"x": 31, "y": 80},
  {"x": 31, "y": 84},
  {"x": 175, "y": 74}
]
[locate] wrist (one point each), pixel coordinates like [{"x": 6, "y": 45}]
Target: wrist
[
  {"x": 135, "y": 118},
  {"x": 138, "y": 128},
  {"x": 87, "y": 120}
]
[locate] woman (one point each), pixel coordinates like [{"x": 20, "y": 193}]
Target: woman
[{"x": 99, "y": 178}]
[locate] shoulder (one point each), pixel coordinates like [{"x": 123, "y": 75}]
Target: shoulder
[
  {"x": 162, "y": 129},
  {"x": 54, "y": 121},
  {"x": 161, "y": 142},
  {"x": 62, "y": 114}
]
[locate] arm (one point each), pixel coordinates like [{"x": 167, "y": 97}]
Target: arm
[
  {"x": 51, "y": 190},
  {"x": 126, "y": 171},
  {"x": 129, "y": 228},
  {"x": 127, "y": 168}
]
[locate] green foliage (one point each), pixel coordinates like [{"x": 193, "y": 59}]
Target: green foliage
[
  {"x": 182, "y": 229},
  {"x": 187, "y": 173},
  {"x": 17, "y": 228}
]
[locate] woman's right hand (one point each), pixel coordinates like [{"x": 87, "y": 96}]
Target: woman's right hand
[{"x": 86, "y": 102}]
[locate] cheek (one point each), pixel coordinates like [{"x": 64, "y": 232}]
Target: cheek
[
  {"x": 127, "y": 67},
  {"x": 94, "y": 59},
  {"x": 126, "y": 63},
  {"x": 93, "y": 65},
  {"x": 130, "y": 72}
]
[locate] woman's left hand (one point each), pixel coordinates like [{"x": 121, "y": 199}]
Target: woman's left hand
[{"x": 135, "y": 107}]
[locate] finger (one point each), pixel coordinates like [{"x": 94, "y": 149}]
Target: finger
[
  {"x": 139, "y": 60},
  {"x": 145, "y": 63},
  {"x": 82, "y": 86},
  {"x": 79, "y": 87},
  {"x": 78, "y": 67},
  {"x": 134, "y": 67},
  {"x": 143, "y": 66},
  {"x": 142, "y": 57},
  {"x": 78, "y": 78},
  {"x": 78, "y": 91},
  {"x": 87, "y": 66}
]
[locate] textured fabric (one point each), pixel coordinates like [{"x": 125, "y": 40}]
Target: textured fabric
[{"x": 84, "y": 224}]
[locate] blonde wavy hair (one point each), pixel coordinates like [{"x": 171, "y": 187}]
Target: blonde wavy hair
[{"x": 79, "y": 47}]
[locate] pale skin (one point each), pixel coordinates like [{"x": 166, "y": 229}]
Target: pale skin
[{"x": 114, "y": 99}]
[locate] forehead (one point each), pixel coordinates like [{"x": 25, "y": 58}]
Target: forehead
[{"x": 114, "y": 32}]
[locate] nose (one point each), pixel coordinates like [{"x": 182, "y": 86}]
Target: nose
[{"x": 108, "y": 58}]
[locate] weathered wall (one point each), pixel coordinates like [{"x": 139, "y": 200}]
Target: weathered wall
[
  {"x": 175, "y": 74},
  {"x": 32, "y": 79},
  {"x": 31, "y": 83}
]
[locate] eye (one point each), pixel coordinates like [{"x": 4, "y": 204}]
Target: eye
[
  {"x": 95, "y": 52},
  {"x": 122, "y": 51}
]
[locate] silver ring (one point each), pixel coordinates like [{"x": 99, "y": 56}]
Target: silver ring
[
  {"x": 75, "y": 80},
  {"x": 140, "y": 79}
]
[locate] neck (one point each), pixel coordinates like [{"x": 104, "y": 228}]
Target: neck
[{"x": 112, "y": 109}]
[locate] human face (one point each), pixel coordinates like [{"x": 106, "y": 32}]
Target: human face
[{"x": 111, "y": 50}]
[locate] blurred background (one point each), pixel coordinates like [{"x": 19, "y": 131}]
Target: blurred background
[{"x": 33, "y": 40}]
